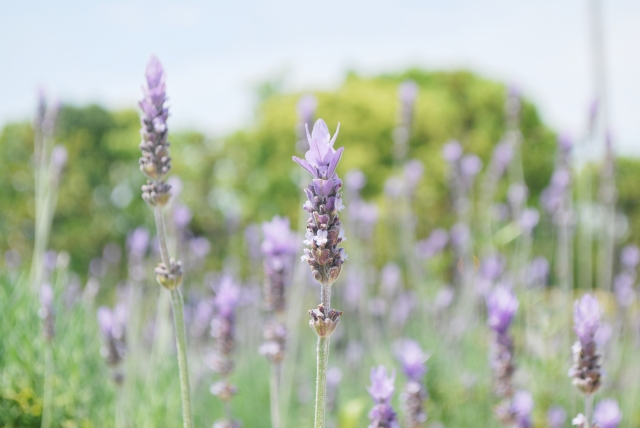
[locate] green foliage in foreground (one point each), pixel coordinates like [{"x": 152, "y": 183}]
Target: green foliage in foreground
[{"x": 458, "y": 379}]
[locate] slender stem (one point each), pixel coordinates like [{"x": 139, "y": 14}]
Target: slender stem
[
  {"x": 275, "y": 395},
  {"x": 588, "y": 409},
  {"x": 325, "y": 296},
  {"x": 162, "y": 239},
  {"x": 321, "y": 381},
  {"x": 48, "y": 386},
  {"x": 181, "y": 345},
  {"x": 120, "y": 419}
]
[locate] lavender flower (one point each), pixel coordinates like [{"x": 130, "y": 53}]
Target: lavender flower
[
  {"x": 278, "y": 248},
  {"x": 586, "y": 371},
  {"x": 502, "y": 306},
  {"x": 306, "y": 108},
  {"x": 556, "y": 417},
  {"x": 434, "y": 244},
  {"x": 382, "y": 414},
  {"x": 223, "y": 331},
  {"x": 630, "y": 257},
  {"x": 113, "y": 327},
  {"x": 517, "y": 412},
  {"x": 412, "y": 359},
  {"x": 607, "y": 414},
  {"x": 46, "y": 311},
  {"x": 538, "y": 271}
]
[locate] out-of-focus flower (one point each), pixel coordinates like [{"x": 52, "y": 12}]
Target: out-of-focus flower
[
  {"x": 46, "y": 311},
  {"x": 355, "y": 180},
  {"x": 586, "y": 371},
  {"x": 556, "y": 417},
  {"x": 452, "y": 151},
  {"x": 538, "y": 271},
  {"x": 412, "y": 358},
  {"x": 502, "y": 306},
  {"x": 607, "y": 414},
  {"x": 529, "y": 219},
  {"x": 435, "y": 243},
  {"x": 522, "y": 408},
  {"x": 200, "y": 247},
  {"x": 586, "y": 317},
  {"x": 182, "y": 216},
  {"x": 623, "y": 289},
  {"x": 630, "y": 257},
  {"x": 382, "y": 414},
  {"x": 138, "y": 242}
]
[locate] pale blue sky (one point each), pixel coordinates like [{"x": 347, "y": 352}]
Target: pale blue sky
[{"x": 216, "y": 52}]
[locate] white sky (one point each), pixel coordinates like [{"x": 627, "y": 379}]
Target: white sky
[{"x": 216, "y": 52}]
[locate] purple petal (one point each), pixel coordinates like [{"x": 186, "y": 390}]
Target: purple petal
[{"x": 303, "y": 163}]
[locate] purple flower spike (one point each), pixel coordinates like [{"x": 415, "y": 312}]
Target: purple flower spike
[
  {"x": 278, "y": 238},
  {"x": 279, "y": 247},
  {"x": 412, "y": 358},
  {"x": 382, "y": 414},
  {"x": 227, "y": 298},
  {"x": 502, "y": 306},
  {"x": 452, "y": 151},
  {"x": 556, "y": 417},
  {"x": 321, "y": 158},
  {"x": 607, "y": 414},
  {"x": 306, "y": 107},
  {"x": 586, "y": 317}
]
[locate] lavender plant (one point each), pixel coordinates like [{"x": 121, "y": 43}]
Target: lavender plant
[
  {"x": 382, "y": 414},
  {"x": 279, "y": 247},
  {"x": 113, "y": 325},
  {"x": 515, "y": 407},
  {"x": 413, "y": 361},
  {"x": 324, "y": 234},
  {"x": 586, "y": 371},
  {"x": 155, "y": 163},
  {"x": 221, "y": 360}
]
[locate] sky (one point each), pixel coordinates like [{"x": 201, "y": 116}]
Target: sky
[{"x": 216, "y": 53}]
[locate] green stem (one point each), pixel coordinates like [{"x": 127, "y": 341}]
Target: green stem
[
  {"x": 322, "y": 362},
  {"x": 181, "y": 345},
  {"x": 588, "y": 406},
  {"x": 48, "y": 386},
  {"x": 275, "y": 395},
  {"x": 321, "y": 381}
]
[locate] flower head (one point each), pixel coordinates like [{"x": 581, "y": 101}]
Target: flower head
[
  {"x": 321, "y": 158},
  {"x": 278, "y": 237},
  {"x": 556, "y": 417},
  {"x": 586, "y": 317},
  {"x": 227, "y": 297},
  {"x": 381, "y": 388},
  {"x": 607, "y": 414},
  {"x": 502, "y": 306},
  {"x": 522, "y": 407},
  {"x": 412, "y": 359}
]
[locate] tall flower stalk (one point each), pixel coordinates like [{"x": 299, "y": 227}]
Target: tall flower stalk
[
  {"x": 223, "y": 326},
  {"x": 586, "y": 371},
  {"x": 279, "y": 247},
  {"x": 48, "y": 331},
  {"x": 325, "y": 258},
  {"x": 155, "y": 163},
  {"x": 49, "y": 161}
]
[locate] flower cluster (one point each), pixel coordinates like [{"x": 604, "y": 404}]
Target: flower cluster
[
  {"x": 586, "y": 371},
  {"x": 382, "y": 414},
  {"x": 113, "y": 327},
  {"x": 413, "y": 361},
  {"x": 502, "y": 306},
  {"x": 323, "y": 205},
  {"x": 278, "y": 247},
  {"x": 223, "y": 331}
]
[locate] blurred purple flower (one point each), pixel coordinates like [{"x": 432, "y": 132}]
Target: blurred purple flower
[
  {"x": 502, "y": 155},
  {"x": 529, "y": 219},
  {"x": 390, "y": 279},
  {"x": 556, "y": 417},
  {"x": 502, "y": 306},
  {"x": 59, "y": 158},
  {"x": 181, "y": 216},
  {"x": 355, "y": 180},
  {"x": 227, "y": 298},
  {"x": 394, "y": 187},
  {"x": 279, "y": 240},
  {"x": 279, "y": 247},
  {"x": 630, "y": 257},
  {"x": 321, "y": 158},
  {"x": 306, "y": 107},
  {"x": 492, "y": 267},
  {"x": 200, "y": 247},
  {"x": 407, "y": 92},
  {"x": 382, "y": 414},
  {"x": 459, "y": 234},
  {"x": 413, "y": 171},
  {"x": 444, "y": 297},
  {"x": 412, "y": 358},
  {"x": 586, "y": 317},
  {"x": 452, "y": 152},
  {"x": 607, "y": 414},
  {"x": 603, "y": 335},
  {"x": 435, "y": 243},
  {"x": 138, "y": 242},
  {"x": 538, "y": 271},
  {"x": 470, "y": 165},
  {"x": 565, "y": 143},
  {"x": 522, "y": 406},
  {"x": 623, "y": 289}
]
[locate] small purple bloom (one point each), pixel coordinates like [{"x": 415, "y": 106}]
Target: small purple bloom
[
  {"x": 355, "y": 180},
  {"x": 538, "y": 271},
  {"x": 181, "y": 216},
  {"x": 413, "y": 171},
  {"x": 607, "y": 414},
  {"x": 556, "y": 417},
  {"x": 278, "y": 238},
  {"x": 470, "y": 165},
  {"x": 452, "y": 152},
  {"x": 138, "y": 242},
  {"x": 502, "y": 306},
  {"x": 586, "y": 317},
  {"x": 623, "y": 289},
  {"x": 321, "y": 158},
  {"x": 459, "y": 234},
  {"x": 59, "y": 157},
  {"x": 382, "y": 414},
  {"x": 630, "y": 257},
  {"x": 492, "y": 267},
  {"x": 435, "y": 243},
  {"x": 522, "y": 407},
  {"x": 408, "y": 92},
  {"x": 502, "y": 155},
  {"x": 200, "y": 247},
  {"x": 227, "y": 297},
  {"x": 412, "y": 358},
  {"x": 529, "y": 219},
  {"x": 306, "y": 108}
]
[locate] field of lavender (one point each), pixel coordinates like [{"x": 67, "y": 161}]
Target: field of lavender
[{"x": 490, "y": 278}]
